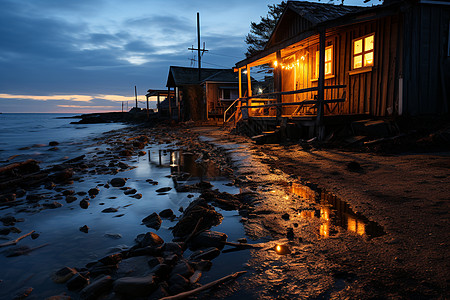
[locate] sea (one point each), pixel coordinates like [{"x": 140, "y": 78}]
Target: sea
[{"x": 60, "y": 242}]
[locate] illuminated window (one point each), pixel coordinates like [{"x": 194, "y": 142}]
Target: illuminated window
[
  {"x": 328, "y": 61},
  {"x": 363, "y": 52}
]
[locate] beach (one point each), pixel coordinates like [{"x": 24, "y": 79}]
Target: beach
[{"x": 343, "y": 225}]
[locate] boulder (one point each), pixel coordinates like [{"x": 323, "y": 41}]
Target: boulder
[
  {"x": 70, "y": 199},
  {"x": 130, "y": 192},
  {"x": 135, "y": 286},
  {"x": 173, "y": 248},
  {"x": 149, "y": 239},
  {"x": 84, "y": 229},
  {"x": 208, "y": 239},
  {"x": 152, "y": 221},
  {"x": 154, "y": 261},
  {"x": 118, "y": 182},
  {"x": 84, "y": 204},
  {"x": 166, "y": 214},
  {"x": 163, "y": 190},
  {"x": 136, "y": 266},
  {"x": 77, "y": 282},
  {"x": 100, "y": 286},
  {"x": 182, "y": 268},
  {"x": 93, "y": 192},
  {"x": 63, "y": 274},
  {"x": 178, "y": 284},
  {"x": 111, "y": 259}
]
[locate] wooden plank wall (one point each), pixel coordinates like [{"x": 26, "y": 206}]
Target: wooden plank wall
[
  {"x": 374, "y": 92},
  {"x": 426, "y": 42}
]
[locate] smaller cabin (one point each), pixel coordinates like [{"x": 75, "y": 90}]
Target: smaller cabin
[{"x": 199, "y": 95}]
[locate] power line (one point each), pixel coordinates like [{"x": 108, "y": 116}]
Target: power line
[
  {"x": 224, "y": 55},
  {"x": 208, "y": 63}
]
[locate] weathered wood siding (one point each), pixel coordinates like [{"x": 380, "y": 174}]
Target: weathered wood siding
[
  {"x": 426, "y": 74},
  {"x": 374, "y": 92}
]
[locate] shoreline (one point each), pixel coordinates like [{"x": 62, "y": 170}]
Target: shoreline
[{"x": 344, "y": 264}]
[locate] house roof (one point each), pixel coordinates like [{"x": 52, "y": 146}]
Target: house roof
[
  {"x": 179, "y": 76},
  {"x": 227, "y": 75},
  {"x": 314, "y": 15},
  {"x": 320, "y": 12}
]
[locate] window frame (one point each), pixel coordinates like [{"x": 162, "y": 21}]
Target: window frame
[
  {"x": 363, "y": 53},
  {"x": 316, "y": 63}
]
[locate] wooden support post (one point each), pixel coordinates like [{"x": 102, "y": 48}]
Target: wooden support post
[
  {"x": 240, "y": 82},
  {"x": 148, "y": 109},
  {"x": 135, "y": 95},
  {"x": 278, "y": 84},
  {"x": 320, "y": 129},
  {"x": 170, "y": 103},
  {"x": 249, "y": 90},
  {"x": 157, "y": 103},
  {"x": 177, "y": 102}
]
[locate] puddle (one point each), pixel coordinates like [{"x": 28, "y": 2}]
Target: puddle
[{"x": 334, "y": 211}]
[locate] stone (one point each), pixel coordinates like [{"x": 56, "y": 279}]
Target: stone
[
  {"x": 142, "y": 153},
  {"x": 163, "y": 190},
  {"x": 70, "y": 199},
  {"x": 118, "y": 182},
  {"x": 97, "y": 288},
  {"x": 160, "y": 293},
  {"x": 242, "y": 240},
  {"x": 20, "y": 193},
  {"x": 208, "y": 239},
  {"x": 162, "y": 271},
  {"x": 166, "y": 214},
  {"x": 111, "y": 259},
  {"x": 84, "y": 204},
  {"x": 23, "y": 293},
  {"x": 52, "y": 205},
  {"x": 5, "y": 231},
  {"x": 202, "y": 265},
  {"x": 126, "y": 152},
  {"x": 8, "y": 220},
  {"x": 206, "y": 254},
  {"x": 123, "y": 165},
  {"x": 135, "y": 266},
  {"x": 177, "y": 284},
  {"x": 171, "y": 259},
  {"x": 62, "y": 176},
  {"x": 68, "y": 192},
  {"x": 130, "y": 192},
  {"x": 7, "y": 198},
  {"x": 63, "y": 274},
  {"x": 135, "y": 286},
  {"x": 137, "y": 196},
  {"x": 182, "y": 268},
  {"x": 53, "y": 143},
  {"x": 152, "y": 221},
  {"x": 93, "y": 192},
  {"x": 173, "y": 248},
  {"x": 77, "y": 282},
  {"x": 35, "y": 235},
  {"x": 34, "y": 198},
  {"x": 114, "y": 236},
  {"x": 285, "y": 216},
  {"x": 110, "y": 210},
  {"x": 149, "y": 239},
  {"x": 84, "y": 229},
  {"x": 154, "y": 261}
]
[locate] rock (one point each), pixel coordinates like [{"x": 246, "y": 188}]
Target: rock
[
  {"x": 171, "y": 259},
  {"x": 162, "y": 271},
  {"x": 160, "y": 293},
  {"x": 242, "y": 240},
  {"x": 111, "y": 259},
  {"x": 354, "y": 166},
  {"x": 84, "y": 204},
  {"x": 126, "y": 152},
  {"x": 163, "y": 190},
  {"x": 149, "y": 239},
  {"x": 206, "y": 254},
  {"x": 154, "y": 261},
  {"x": 68, "y": 192},
  {"x": 81, "y": 193},
  {"x": 5, "y": 231},
  {"x": 23, "y": 293},
  {"x": 148, "y": 251},
  {"x": 137, "y": 196},
  {"x": 152, "y": 221},
  {"x": 110, "y": 210},
  {"x": 123, "y": 165},
  {"x": 135, "y": 286},
  {"x": 100, "y": 286},
  {"x": 64, "y": 274},
  {"x": 53, "y": 143},
  {"x": 195, "y": 277},
  {"x": 70, "y": 199},
  {"x": 196, "y": 210},
  {"x": 285, "y": 216},
  {"x": 8, "y": 220},
  {"x": 101, "y": 269},
  {"x": 178, "y": 284},
  {"x": 202, "y": 265},
  {"x": 182, "y": 268},
  {"x": 208, "y": 239},
  {"x": 135, "y": 267},
  {"x": 20, "y": 193},
  {"x": 173, "y": 248},
  {"x": 52, "y": 205},
  {"x": 62, "y": 176},
  {"x": 84, "y": 229},
  {"x": 93, "y": 192},
  {"x": 50, "y": 185},
  {"x": 166, "y": 214},
  {"x": 142, "y": 153},
  {"x": 138, "y": 145},
  {"x": 7, "y": 198},
  {"x": 118, "y": 182},
  {"x": 34, "y": 198},
  {"x": 35, "y": 235},
  {"x": 130, "y": 192},
  {"x": 114, "y": 236},
  {"x": 77, "y": 282}
]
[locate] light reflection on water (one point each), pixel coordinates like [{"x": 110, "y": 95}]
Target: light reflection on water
[
  {"x": 334, "y": 211},
  {"x": 70, "y": 247}
]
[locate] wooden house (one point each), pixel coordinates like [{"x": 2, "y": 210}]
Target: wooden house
[
  {"x": 200, "y": 96},
  {"x": 331, "y": 61}
]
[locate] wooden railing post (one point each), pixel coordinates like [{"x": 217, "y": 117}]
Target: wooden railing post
[{"x": 320, "y": 130}]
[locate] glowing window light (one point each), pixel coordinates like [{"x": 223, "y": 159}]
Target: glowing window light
[
  {"x": 324, "y": 230},
  {"x": 275, "y": 63},
  {"x": 363, "y": 51}
]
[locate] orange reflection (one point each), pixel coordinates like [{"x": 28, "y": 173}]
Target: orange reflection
[
  {"x": 307, "y": 214},
  {"x": 356, "y": 226},
  {"x": 325, "y": 229},
  {"x": 303, "y": 191}
]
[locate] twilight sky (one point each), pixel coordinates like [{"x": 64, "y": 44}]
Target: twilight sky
[{"x": 87, "y": 55}]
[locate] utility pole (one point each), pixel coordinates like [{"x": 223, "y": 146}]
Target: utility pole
[
  {"x": 199, "y": 51},
  {"x": 135, "y": 96}
]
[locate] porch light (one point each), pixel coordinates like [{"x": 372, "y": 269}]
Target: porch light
[{"x": 275, "y": 63}]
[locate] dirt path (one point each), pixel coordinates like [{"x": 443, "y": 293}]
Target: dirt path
[{"x": 407, "y": 195}]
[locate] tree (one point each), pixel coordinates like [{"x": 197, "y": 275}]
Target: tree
[{"x": 260, "y": 32}]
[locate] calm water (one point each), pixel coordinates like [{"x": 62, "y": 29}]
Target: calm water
[
  {"x": 59, "y": 228},
  {"x": 33, "y": 132}
]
